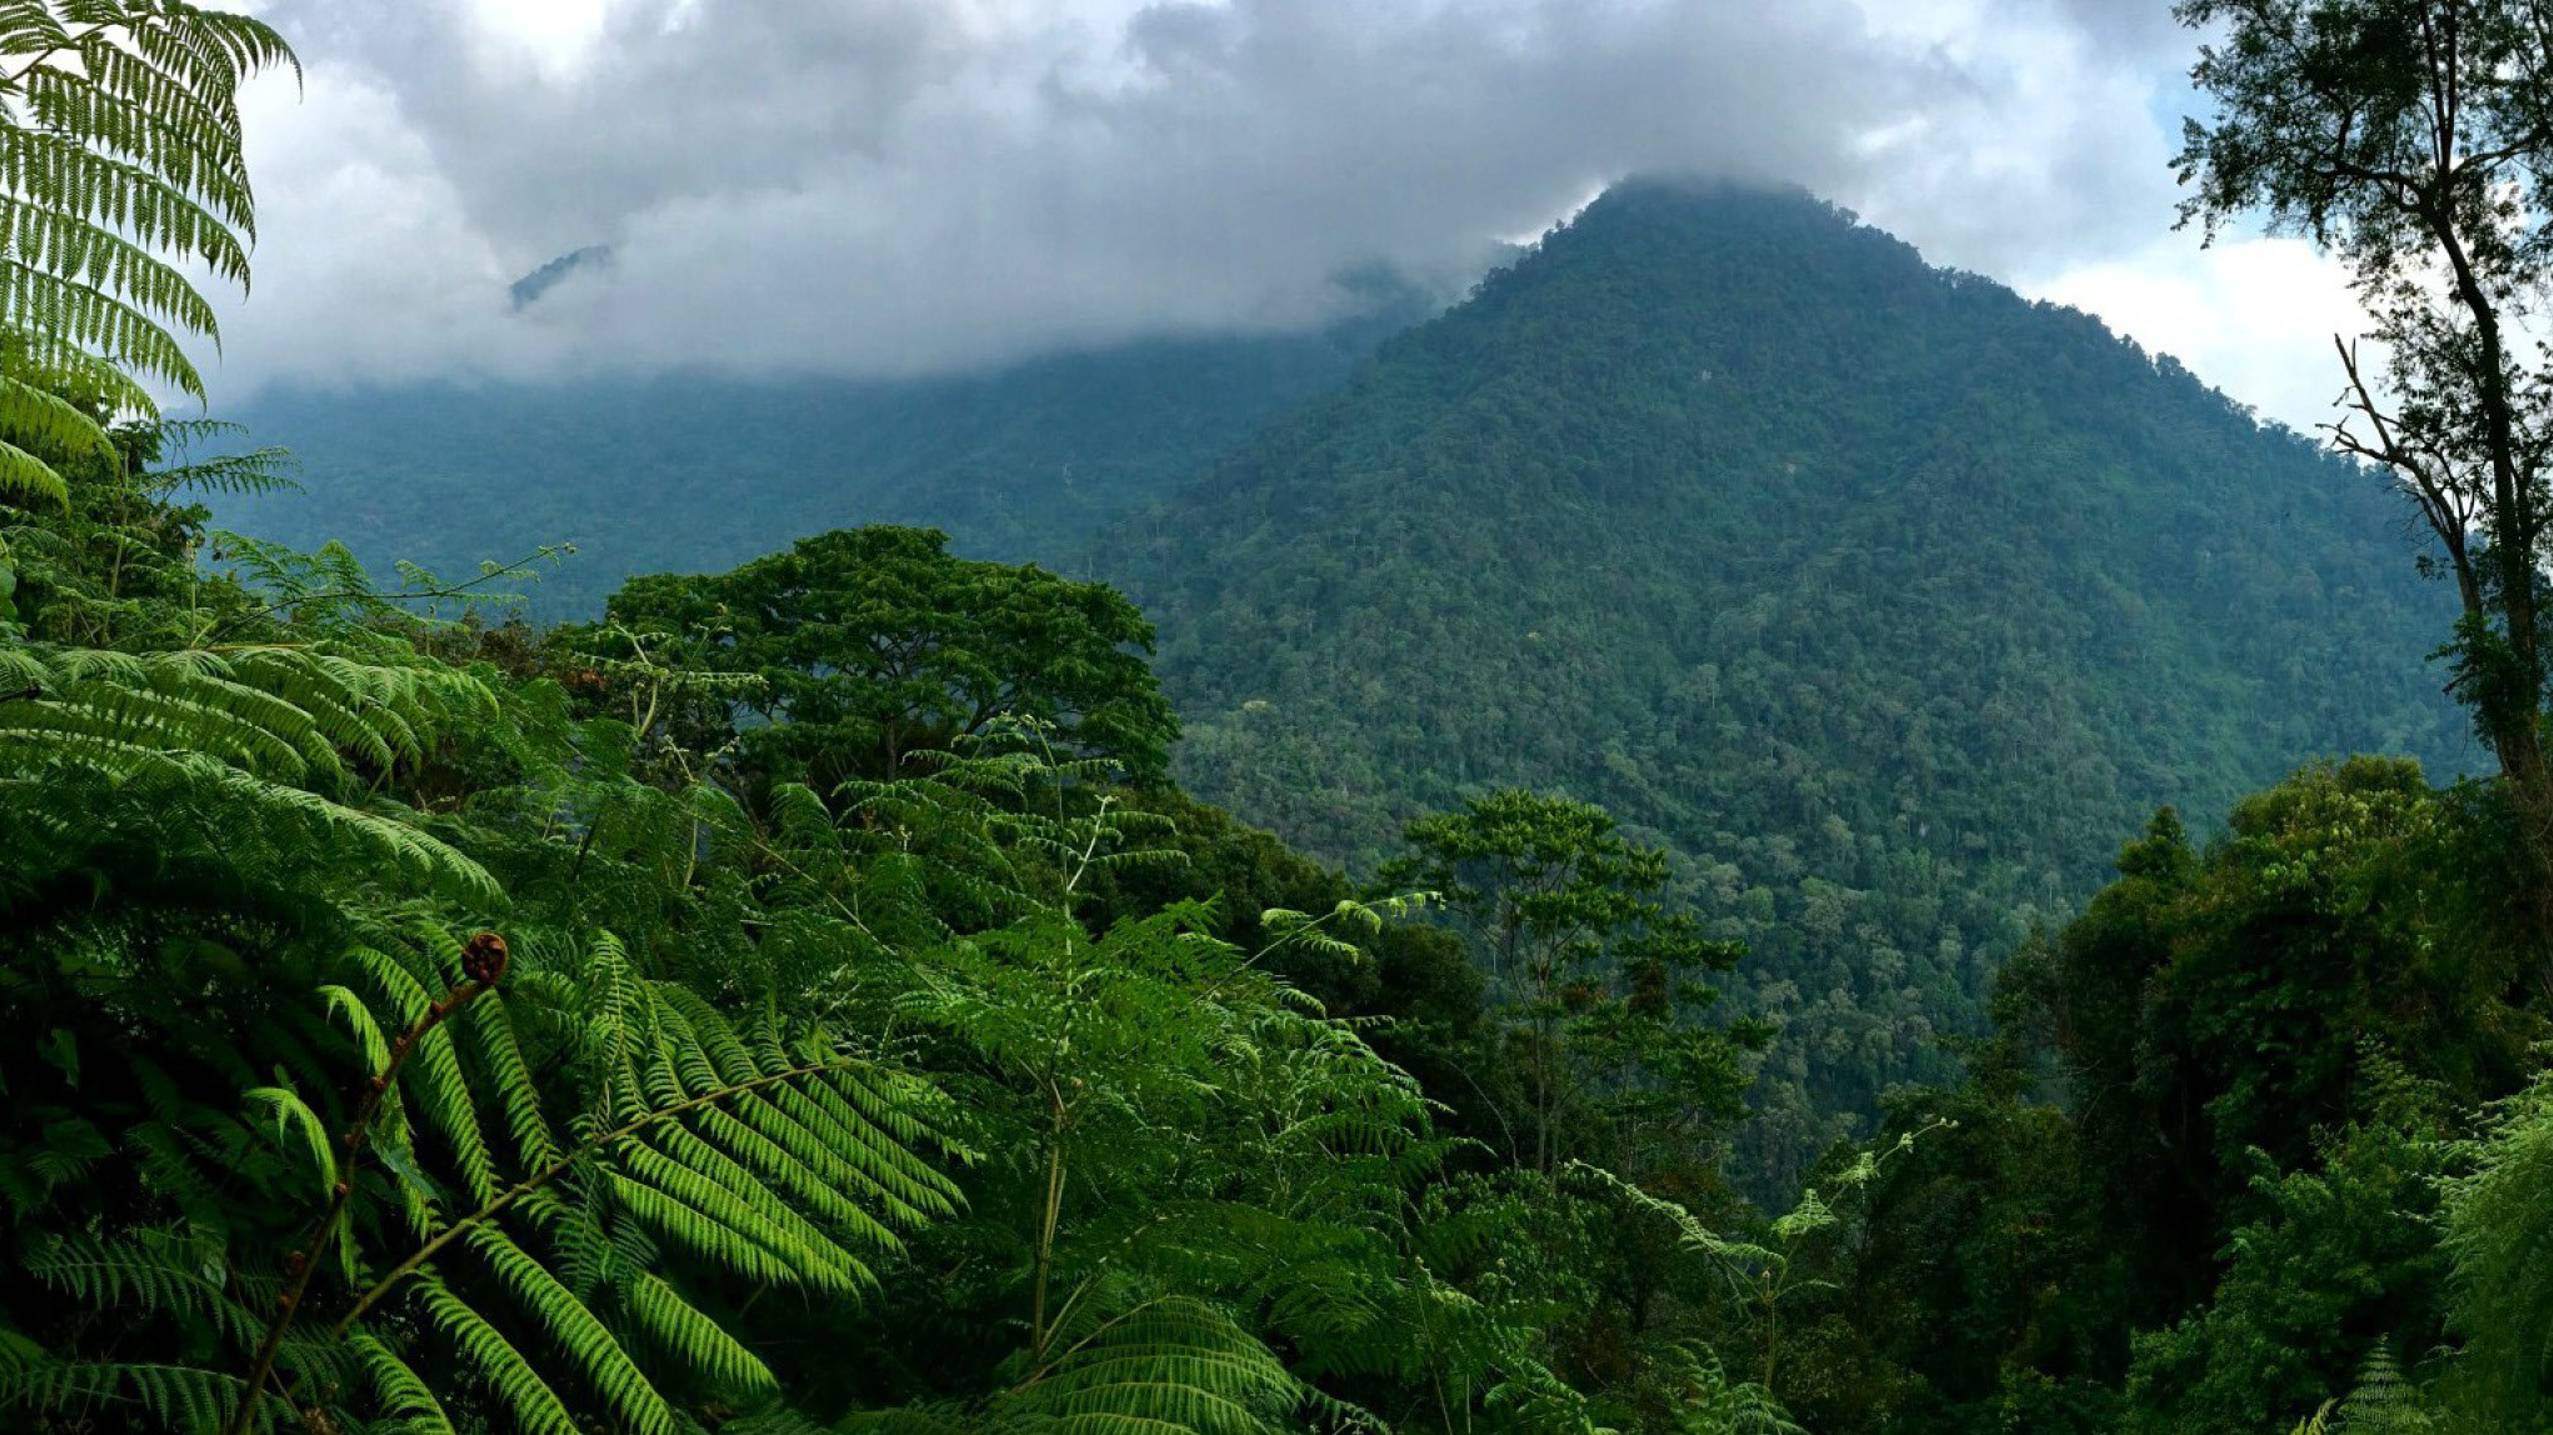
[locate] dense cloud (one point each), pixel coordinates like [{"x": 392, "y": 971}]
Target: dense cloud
[{"x": 894, "y": 186}]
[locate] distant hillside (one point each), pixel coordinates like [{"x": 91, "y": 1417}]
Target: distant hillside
[
  {"x": 689, "y": 473},
  {"x": 1893, "y": 601}
]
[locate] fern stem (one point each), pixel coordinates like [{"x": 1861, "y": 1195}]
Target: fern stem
[
  {"x": 1064, "y": 1312},
  {"x": 506, "y": 1198},
  {"x": 1052, "y": 1217},
  {"x": 324, "y": 1230},
  {"x": 10, "y": 85},
  {"x": 415, "y": 595}
]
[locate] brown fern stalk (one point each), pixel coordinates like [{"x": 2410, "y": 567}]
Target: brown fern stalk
[{"x": 483, "y": 965}]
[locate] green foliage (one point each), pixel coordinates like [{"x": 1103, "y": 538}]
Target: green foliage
[
  {"x": 2346, "y": 901},
  {"x": 907, "y": 1063},
  {"x": 254, "y": 746},
  {"x": 1168, "y": 1364},
  {"x": 798, "y": 1002},
  {"x": 2381, "y": 1403},
  {"x": 2343, "y": 1258},
  {"x": 2264, "y": 1055}
]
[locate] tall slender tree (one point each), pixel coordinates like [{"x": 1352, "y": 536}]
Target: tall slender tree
[
  {"x": 1601, "y": 980},
  {"x": 2413, "y": 139}
]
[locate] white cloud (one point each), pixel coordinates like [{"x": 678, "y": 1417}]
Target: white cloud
[
  {"x": 365, "y": 266},
  {"x": 556, "y": 35},
  {"x": 2253, "y": 316},
  {"x": 878, "y": 186}
]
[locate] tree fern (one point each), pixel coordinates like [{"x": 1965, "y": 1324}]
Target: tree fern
[
  {"x": 2499, "y": 1235},
  {"x": 398, "y": 1392},
  {"x": 1173, "y": 1363},
  {"x": 154, "y": 1272},
  {"x": 259, "y": 740},
  {"x": 530, "y": 1404},
  {"x": 189, "y": 470},
  {"x": 661, "y": 1137},
  {"x": 120, "y": 159},
  {"x": 170, "y": 1397},
  {"x": 575, "y": 1331},
  {"x": 2382, "y": 1402},
  {"x": 165, "y": 1275}
]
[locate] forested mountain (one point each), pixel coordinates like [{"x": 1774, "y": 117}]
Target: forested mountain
[
  {"x": 1885, "y": 597},
  {"x": 693, "y": 472}
]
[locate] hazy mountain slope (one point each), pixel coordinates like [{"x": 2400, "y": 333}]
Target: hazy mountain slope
[
  {"x": 1892, "y": 600},
  {"x": 688, "y": 473}
]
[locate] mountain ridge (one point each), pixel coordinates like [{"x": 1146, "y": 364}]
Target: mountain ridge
[{"x": 692, "y": 472}]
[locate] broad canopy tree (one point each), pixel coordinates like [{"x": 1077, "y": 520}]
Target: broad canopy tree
[{"x": 857, "y": 649}]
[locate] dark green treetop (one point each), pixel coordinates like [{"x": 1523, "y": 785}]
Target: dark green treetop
[{"x": 869, "y": 645}]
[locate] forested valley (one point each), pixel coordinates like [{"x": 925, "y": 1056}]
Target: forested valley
[{"x": 1736, "y": 833}]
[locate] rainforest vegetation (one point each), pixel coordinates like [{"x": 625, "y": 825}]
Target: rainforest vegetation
[{"x": 809, "y": 998}]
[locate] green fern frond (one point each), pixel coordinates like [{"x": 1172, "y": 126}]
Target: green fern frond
[
  {"x": 2382, "y": 1401},
  {"x": 929, "y": 1419},
  {"x": 159, "y": 1272},
  {"x": 33, "y": 412},
  {"x": 432, "y": 1079},
  {"x": 699, "y": 1343},
  {"x": 120, "y": 161},
  {"x": 2499, "y": 1236},
  {"x": 532, "y": 1405},
  {"x": 169, "y": 1397},
  {"x": 296, "y": 1124},
  {"x": 692, "y": 1212},
  {"x": 500, "y": 1052},
  {"x": 25, "y": 477},
  {"x": 260, "y": 470},
  {"x": 1174, "y": 1364},
  {"x": 576, "y": 1331},
  {"x": 239, "y": 734},
  {"x": 398, "y": 1391}
]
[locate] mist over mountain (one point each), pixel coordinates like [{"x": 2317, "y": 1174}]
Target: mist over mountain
[
  {"x": 693, "y": 471},
  {"x": 1887, "y": 598}
]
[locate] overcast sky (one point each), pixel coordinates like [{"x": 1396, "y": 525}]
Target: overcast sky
[{"x": 898, "y": 186}]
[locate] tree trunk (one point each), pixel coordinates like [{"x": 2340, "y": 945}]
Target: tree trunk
[{"x": 2513, "y": 700}]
